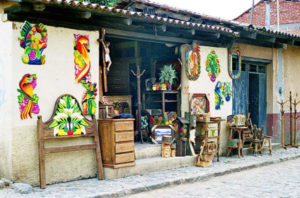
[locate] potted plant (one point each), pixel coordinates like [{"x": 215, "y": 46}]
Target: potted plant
[{"x": 168, "y": 75}]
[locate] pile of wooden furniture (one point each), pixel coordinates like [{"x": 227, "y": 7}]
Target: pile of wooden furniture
[{"x": 248, "y": 133}]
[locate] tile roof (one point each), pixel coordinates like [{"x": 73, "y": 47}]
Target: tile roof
[{"x": 140, "y": 15}]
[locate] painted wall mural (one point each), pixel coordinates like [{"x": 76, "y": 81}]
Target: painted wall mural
[
  {"x": 83, "y": 74},
  {"x": 218, "y": 97},
  {"x": 192, "y": 61},
  {"x": 213, "y": 65},
  {"x": 226, "y": 90},
  {"x": 34, "y": 40},
  {"x": 28, "y": 101},
  {"x": 82, "y": 58},
  {"x": 88, "y": 99},
  {"x": 234, "y": 52},
  {"x": 68, "y": 119}
]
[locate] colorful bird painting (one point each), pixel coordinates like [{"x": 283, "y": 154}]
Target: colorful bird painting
[
  {"x": 28, "y": 101},
  {"x": 218, "y": 98}
]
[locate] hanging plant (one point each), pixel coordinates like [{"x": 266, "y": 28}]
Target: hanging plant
[
  {"x": 213, "y": 65},
  {"x": 231, "y": 52},
  {"x": 192, "y": 64}
]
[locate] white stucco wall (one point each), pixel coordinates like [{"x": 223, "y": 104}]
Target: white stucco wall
[
  {"x": 204, "y": 85},
  {"x": 6, "y": 103},
  {"x": 54, "y": 78}
]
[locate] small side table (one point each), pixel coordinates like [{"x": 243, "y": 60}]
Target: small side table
[
  {"x": 206, "y": 138},
  {"x": 236, "y": 143}
]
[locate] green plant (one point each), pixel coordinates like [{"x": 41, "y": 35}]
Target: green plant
[{"x": 167, "y": 73}]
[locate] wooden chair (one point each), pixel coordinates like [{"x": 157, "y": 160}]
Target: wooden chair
[
  {"x": 66, "y": 122},
  {"x": 256, "y": 143},
  {"x": 248, "y": 135}
]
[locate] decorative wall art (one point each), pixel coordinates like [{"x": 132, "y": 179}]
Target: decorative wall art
[
  {"x": 213, "y": 65},
  {"x": 192, "y": 61},
  {"x": 34, "y": 40},
  {"x": 82, "y": 58},
  {"x": 28, "y": 101},
  {"x": 88, "y": 99},
  {"x": 199, "y": 104},
  {"x": 226, "y": 90},
  {"x": 234, "y": 52},
  {"x": 68, "y": 119},
  {"x": 218, "y": 97},
  {"x": 83, "y": 74}
]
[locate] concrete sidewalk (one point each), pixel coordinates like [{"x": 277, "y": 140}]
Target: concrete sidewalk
[{"x": 146, "y": 182}]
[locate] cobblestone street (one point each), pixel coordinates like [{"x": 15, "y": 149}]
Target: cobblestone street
[
  {"x": 277, "y": 180},
  {"x": 262, "y": 176}
]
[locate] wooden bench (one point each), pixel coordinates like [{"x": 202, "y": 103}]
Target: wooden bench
[{"x": 66, "y": 122}]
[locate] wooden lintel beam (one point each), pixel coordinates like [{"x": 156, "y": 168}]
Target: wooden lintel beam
[
  {"x": 17, "y": 8},
  {"x": 249, "y": 35},
  {"x": 146, "y": 36}
]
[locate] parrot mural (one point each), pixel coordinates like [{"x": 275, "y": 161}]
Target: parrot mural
[
  {"x": 82, "y": 58},
  {"x": 218, "y": 97},
  {"x": 213, "y": 65},
  {"x": 34, "y": 40},
  {"x": 83, "y": 74},
  {"x": 28, "y": 101}
]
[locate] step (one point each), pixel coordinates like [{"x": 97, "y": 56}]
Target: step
[
  {"x": 147, "y": 165},
  {"x": 147, "y": 150}
]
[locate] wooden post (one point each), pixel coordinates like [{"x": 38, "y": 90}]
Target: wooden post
[
  {"x": 291, "y": 120},
  {"x": 295, "y": 120},
  {"x": 103, "y": 60},
  {"x": 282, "y": 122},
  {"x": 138, "y": 75},
  {"x": 100, "y": 70}
]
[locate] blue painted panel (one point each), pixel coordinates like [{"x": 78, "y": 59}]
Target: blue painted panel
[
  {"x": 240, "y": 90},
  {"x": 263, "y": 101}
]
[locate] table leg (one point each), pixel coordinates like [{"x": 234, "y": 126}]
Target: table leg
[
  {"x": 240, "y": 143},
  {"x": 218, "y": 141}
]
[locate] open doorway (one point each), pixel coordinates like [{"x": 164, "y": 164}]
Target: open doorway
[
  {"x": 122, "y": 84},
  {"x": 250, "y": 91}
]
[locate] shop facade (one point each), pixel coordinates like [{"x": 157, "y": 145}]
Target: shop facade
[{"x": 56, "y": 76}]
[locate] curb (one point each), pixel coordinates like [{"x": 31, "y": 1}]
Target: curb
[{"x": 193, "y": 179}]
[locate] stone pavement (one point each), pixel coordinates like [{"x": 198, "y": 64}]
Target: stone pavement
[
  {"x": 276, "y": 180},
  {"x": 156, "y": 180}
]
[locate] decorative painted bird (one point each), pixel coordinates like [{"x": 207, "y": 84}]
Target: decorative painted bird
[
  {"x": 218, "y": 98},
  {"x": 28, "y": 100},
  {"x": 82, "y": 47}
]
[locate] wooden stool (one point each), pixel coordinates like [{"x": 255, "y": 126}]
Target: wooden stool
[
  {"x": 269, "y": 147},
  {"x": 257, "y": 146}
]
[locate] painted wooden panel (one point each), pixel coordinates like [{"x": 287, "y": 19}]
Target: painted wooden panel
[
  {"x": 240, "y": 94},
  {"x": 263, "y": 101}
]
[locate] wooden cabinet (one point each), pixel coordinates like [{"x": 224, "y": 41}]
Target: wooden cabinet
[{"x": 117, "y": 142}]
